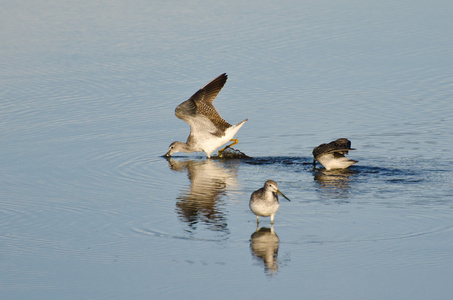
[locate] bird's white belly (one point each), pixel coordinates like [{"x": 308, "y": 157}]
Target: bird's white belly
[
  {"x": 264, "y": 209},
  {"x": 331, "y": 162},
  {"x": 209, "y": 142}
]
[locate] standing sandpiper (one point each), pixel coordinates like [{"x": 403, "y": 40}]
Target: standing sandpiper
[{"x": 264, "y": 202}]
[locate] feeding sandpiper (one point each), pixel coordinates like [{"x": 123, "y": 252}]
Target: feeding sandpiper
[
  {"x": 332, "y": 155},
  {"x": 208, "y": 130}
]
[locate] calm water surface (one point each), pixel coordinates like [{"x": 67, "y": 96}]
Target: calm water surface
[{"x": 89, "y": 209}]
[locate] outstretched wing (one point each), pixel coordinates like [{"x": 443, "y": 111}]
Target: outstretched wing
[
  {"x": 212, "y": 89},
  {"x": 199, "y": 112}
]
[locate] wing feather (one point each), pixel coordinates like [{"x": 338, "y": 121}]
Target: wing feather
[
  {"x": 201, "y": 104},
  {"x": 341, "y": 146}
]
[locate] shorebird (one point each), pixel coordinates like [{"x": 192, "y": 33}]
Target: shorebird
[
  {"x": 332, "y": 155},
  {"x": 264, "y": 202},
  {"x": 208, "y": 131}
]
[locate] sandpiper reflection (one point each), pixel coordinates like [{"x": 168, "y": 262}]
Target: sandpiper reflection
[
  {"x": 336, "y": 182},
  {"x": 202, "y": 200},
  {"x": 264, "y": 244}
]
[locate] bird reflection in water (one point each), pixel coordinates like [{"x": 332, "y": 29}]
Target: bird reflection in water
[
  {"x": 264, "y": 244},
  {"x": 202, "y": 201},
  {"x": 334, "y": 182}
]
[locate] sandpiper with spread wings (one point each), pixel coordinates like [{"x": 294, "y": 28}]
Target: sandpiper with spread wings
[
  {"x": 208, "y": 130},
  {"x": 332, "y": 155}
]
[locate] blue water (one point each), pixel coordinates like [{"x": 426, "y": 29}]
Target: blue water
[{"x": 90, "y": 210}]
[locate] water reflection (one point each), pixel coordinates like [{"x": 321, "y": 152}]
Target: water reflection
[
  {"x": 334, "y": 183},
  {"x": 264, "y": 244},
  {"x": 202, "y": 200}
]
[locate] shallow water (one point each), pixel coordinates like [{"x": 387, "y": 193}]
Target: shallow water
[{"x": 90, "y": 210}]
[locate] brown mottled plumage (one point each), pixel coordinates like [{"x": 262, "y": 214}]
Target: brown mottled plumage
[
  {"x": 202, "y": 103},
  {"x": 208, "y": 130}
]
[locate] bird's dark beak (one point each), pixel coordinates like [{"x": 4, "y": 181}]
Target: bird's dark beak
[{"x": 283, "y": 195}]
